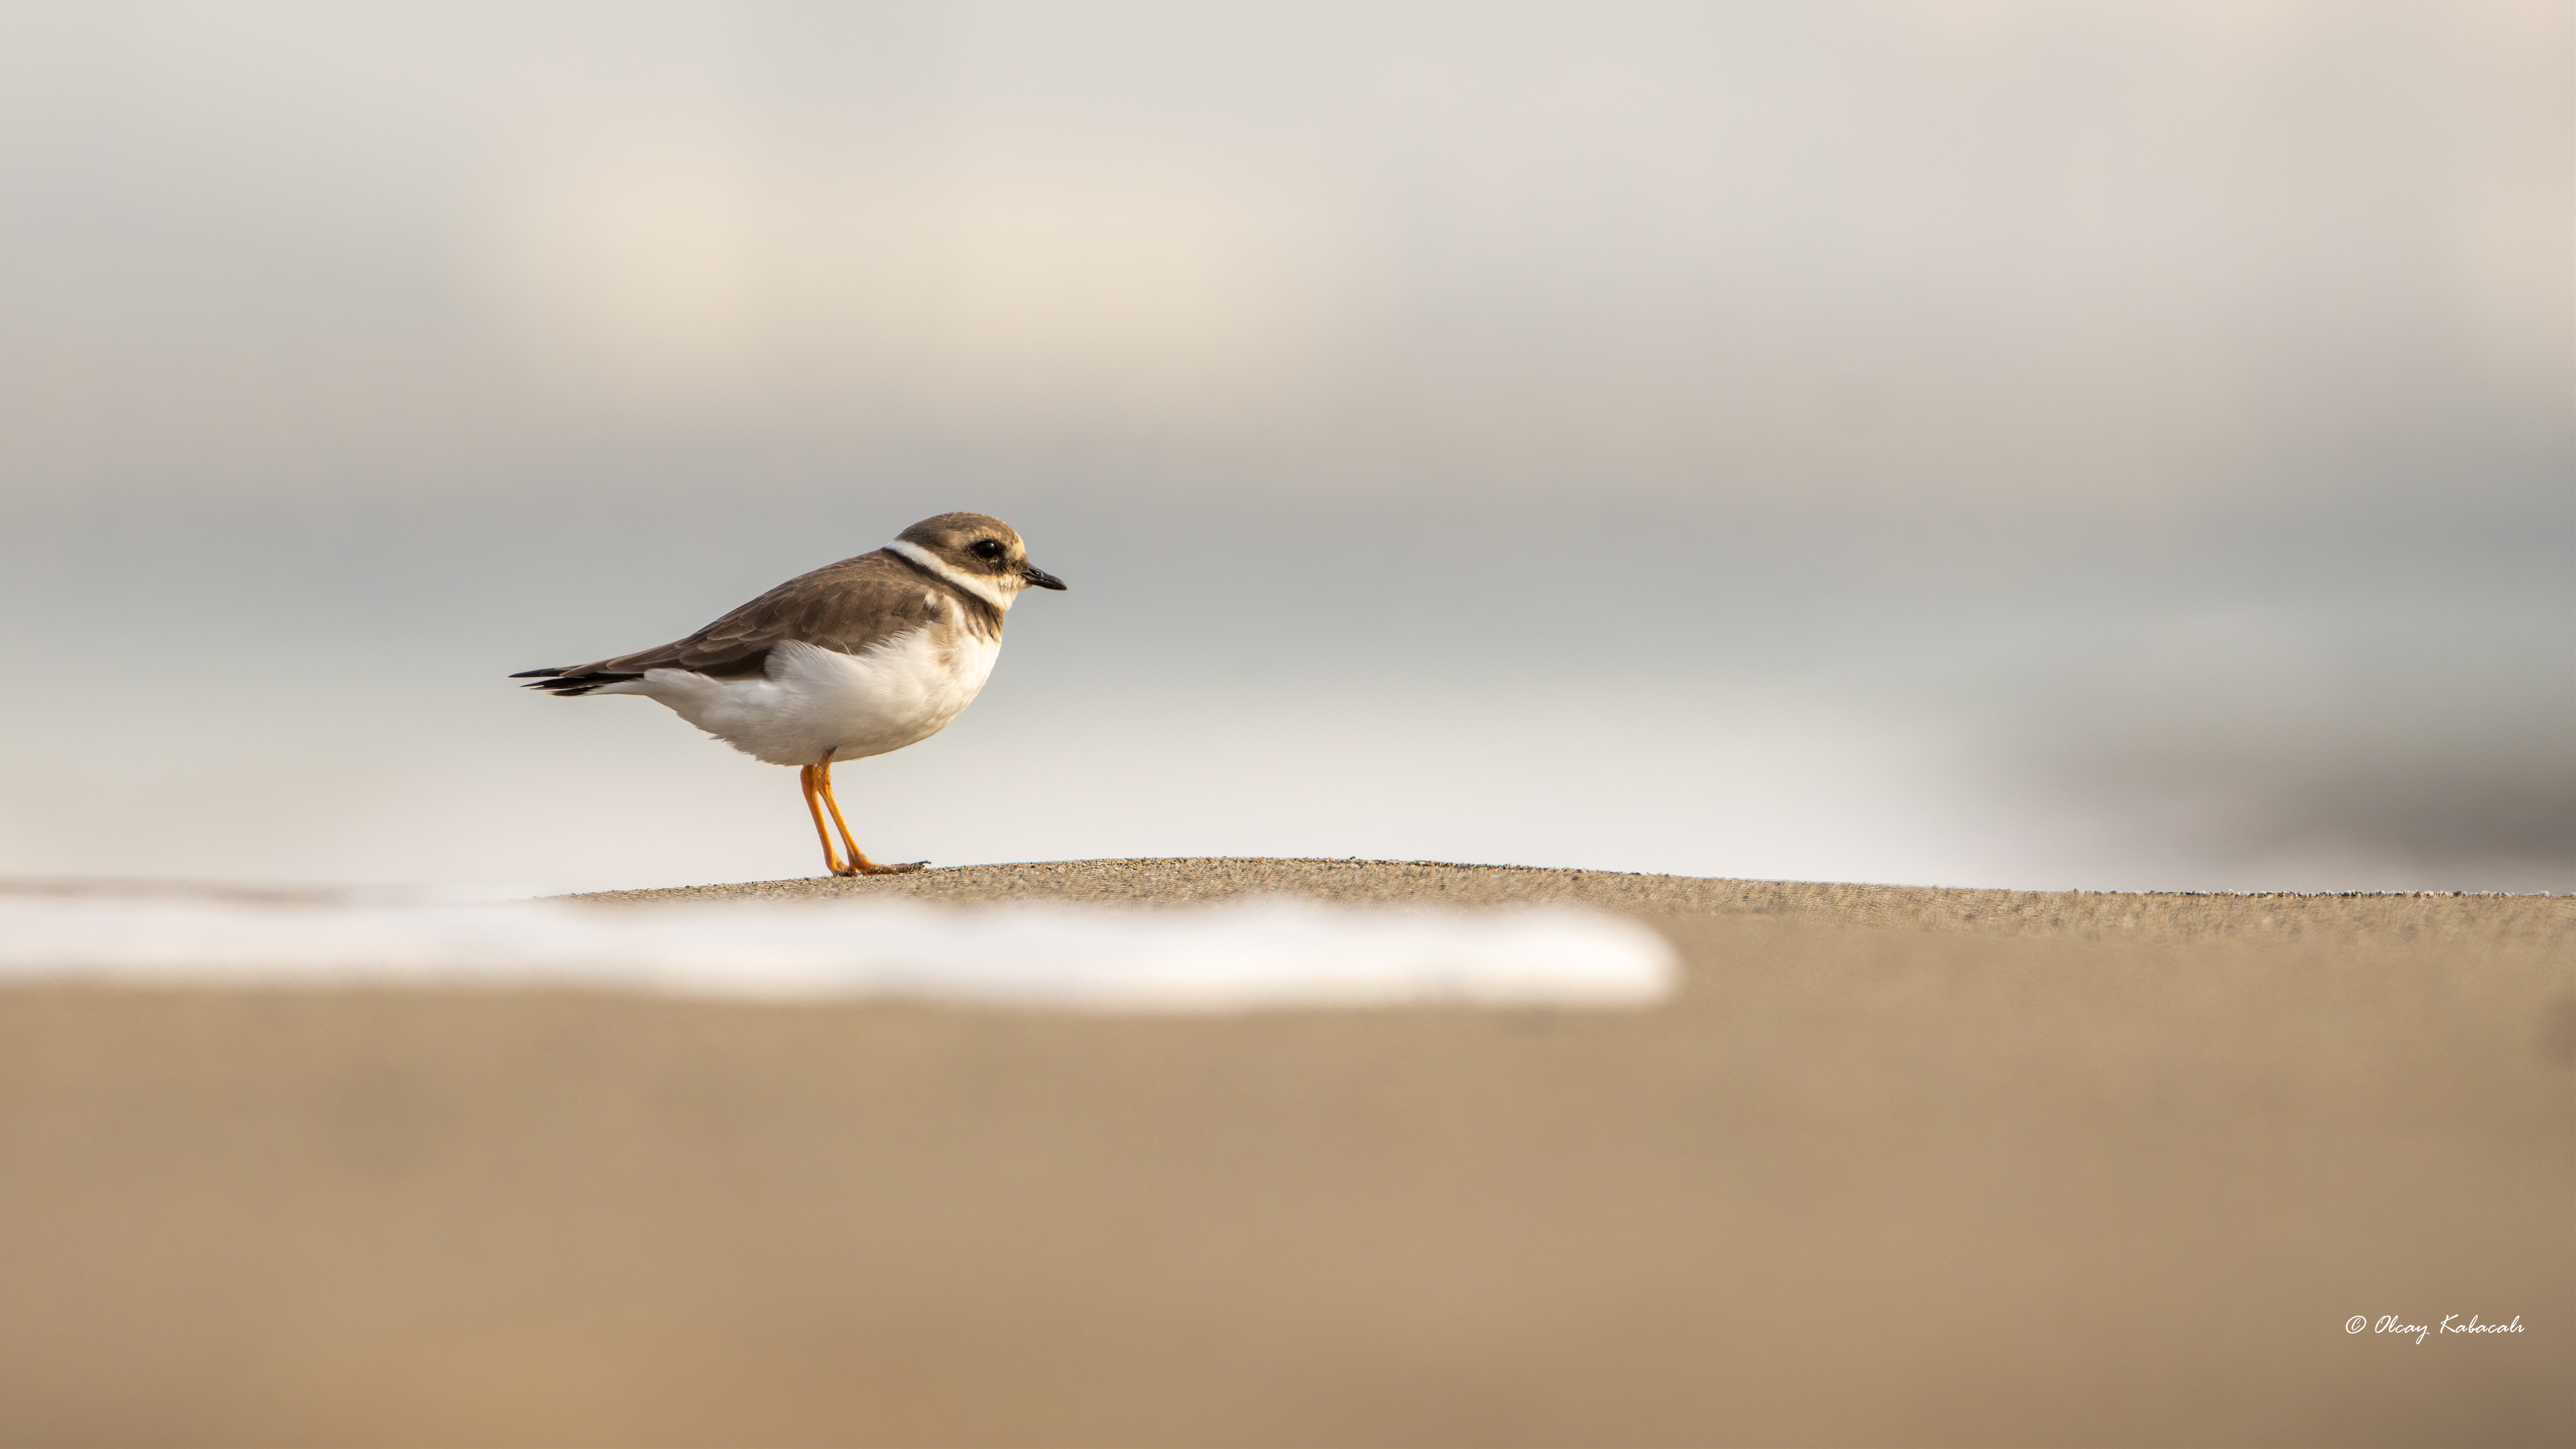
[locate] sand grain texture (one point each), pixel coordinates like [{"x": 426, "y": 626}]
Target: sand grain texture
[{"x": 1897, "y": 1167}]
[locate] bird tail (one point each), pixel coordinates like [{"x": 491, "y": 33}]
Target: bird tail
[{"x": 567, "y": 683}]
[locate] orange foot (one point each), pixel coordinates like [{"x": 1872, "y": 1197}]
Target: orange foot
[
  {"x": 870, "y": 867},
  {"x": 818, "y": 798}
]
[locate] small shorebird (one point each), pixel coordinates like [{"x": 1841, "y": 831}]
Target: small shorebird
[{"x": 854, "y": 659}]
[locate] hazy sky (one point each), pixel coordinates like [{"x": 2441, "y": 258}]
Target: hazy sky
[{"x": 1978, "y": 443}]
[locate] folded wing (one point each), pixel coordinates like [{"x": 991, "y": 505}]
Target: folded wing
[{"x": 847, "y": 606}]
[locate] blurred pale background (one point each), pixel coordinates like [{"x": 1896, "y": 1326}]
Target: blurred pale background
[{"x": 1985, "y": 444}]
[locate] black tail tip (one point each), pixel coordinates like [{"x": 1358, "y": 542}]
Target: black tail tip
[{"x": 537, "y": 674}]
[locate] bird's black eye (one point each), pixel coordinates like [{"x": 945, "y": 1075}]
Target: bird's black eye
[{"x": 985, "y": 548}]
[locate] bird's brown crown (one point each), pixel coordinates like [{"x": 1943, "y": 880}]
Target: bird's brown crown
[{"x": 977, "y": 543}]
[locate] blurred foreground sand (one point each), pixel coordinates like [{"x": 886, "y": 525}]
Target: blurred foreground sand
[{"x": 1899, "y": 1166}]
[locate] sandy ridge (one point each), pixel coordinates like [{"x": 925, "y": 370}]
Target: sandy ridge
[{"x": 2425, "y": 916}]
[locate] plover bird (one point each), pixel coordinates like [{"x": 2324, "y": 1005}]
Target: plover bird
[{"x": 854, "y": 659}]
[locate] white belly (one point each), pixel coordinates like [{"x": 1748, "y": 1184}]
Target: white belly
[{"x": 814, "y": 704}]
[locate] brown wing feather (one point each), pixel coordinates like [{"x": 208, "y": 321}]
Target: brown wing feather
[{"x": 845, "y": 606}]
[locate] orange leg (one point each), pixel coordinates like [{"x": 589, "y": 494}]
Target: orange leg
[
  {"x": 807, "y": 777},
  {"x": 859, "y": 862}
]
